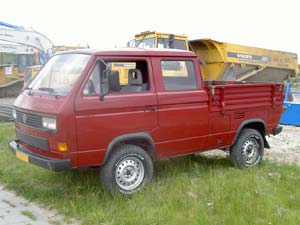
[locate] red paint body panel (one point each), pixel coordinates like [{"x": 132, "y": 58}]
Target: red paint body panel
[{"x": 183, "y": 121}]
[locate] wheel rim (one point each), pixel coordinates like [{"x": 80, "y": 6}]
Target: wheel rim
[
  {"x": 250, "y": 151},
  {"x": 129, "y": 173}
]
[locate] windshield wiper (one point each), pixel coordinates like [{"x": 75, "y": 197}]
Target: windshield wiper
[{"x": 50, "y": 90}]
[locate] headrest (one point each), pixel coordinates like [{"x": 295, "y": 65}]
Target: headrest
[
  {"x": 114, "y": 80},
  {"x": 135, "y": 77}
]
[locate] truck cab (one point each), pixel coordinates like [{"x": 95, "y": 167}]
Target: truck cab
[
  {"x": 159, "y": 40},
  {"x": 78, "y": 112}
]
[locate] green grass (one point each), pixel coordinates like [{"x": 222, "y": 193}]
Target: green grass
[
  {"x": 29, "y": 215},
  {"x": 186, "y": 190},
  {"x": 295, "y": 85}
]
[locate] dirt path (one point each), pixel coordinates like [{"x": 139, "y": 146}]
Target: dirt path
[{"x": 15, "y": 210}]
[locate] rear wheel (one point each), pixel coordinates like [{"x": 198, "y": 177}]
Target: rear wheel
[
  {"x": 248, "y": 149},
  {"x": 127, "y": 170}
]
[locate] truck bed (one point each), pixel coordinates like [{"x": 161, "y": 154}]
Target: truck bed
[
  {"x": 234, "y": 95},
  {"x": 232, "y": 104}
]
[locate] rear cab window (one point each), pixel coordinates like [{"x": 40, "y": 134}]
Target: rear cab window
[{"x": 179, "y": 75}]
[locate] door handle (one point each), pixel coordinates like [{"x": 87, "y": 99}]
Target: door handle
[{"x": 150, "y": 109}]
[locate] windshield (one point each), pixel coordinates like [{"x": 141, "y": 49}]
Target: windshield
[
  {"x": 145, "y": 43},
  {"x": 60, "y": 74}
]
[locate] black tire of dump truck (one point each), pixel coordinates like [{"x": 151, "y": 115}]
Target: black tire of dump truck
[
  {"x": 127, "y": 170},
  {"x": 248, "y": 149}
]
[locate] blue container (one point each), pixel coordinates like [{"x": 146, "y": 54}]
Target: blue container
[{"x": 291, "y": 115}]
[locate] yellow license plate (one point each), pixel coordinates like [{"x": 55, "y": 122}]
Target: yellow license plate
[{"x": 22, "y": 156}]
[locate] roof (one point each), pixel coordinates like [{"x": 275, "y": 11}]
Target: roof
[
  {"x": 149, "y": 34},
  {"x": 135, "y": 52}
]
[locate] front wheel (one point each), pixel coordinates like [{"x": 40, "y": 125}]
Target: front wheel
[
  {"x": 127, "y": 170},
  {"x": 248, "y": 150}
]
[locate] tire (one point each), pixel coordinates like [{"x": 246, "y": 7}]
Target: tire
[
  {"x": 248, "y": 149},
  {"x": 127, "y": 170}
]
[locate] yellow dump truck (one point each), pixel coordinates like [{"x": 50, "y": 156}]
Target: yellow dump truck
[{"x": 226, "y": 61}]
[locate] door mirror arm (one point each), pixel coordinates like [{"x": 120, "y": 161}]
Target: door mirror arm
[{"x": 104, "y": 84}]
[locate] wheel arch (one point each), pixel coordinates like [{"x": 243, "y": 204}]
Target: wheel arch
[
  {"x": 256, "y": 124},
  {"x": 141, "y": 139}
]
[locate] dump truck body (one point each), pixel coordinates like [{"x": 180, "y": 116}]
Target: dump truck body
[{"x": 226, "y": 61}]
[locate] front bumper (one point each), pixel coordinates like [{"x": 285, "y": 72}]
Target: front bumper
[{"x": 49, "y": 163}]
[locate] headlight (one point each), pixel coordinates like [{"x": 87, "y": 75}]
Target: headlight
[
  {"x": 14, "y": 114},
  {"x": 49, "y": 123}
]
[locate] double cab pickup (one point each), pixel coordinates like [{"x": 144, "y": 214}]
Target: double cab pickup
[{"x": 123, "y": 109}]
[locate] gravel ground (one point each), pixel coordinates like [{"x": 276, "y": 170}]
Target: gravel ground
[{"x": 285, "y": 147}]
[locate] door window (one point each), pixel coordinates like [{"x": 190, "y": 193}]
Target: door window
[{"x": 132, "y": 77}]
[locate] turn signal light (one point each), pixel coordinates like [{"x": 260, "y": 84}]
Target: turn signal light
[{"x": 62, "y": 147}]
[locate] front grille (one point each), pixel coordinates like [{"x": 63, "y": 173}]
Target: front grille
[
  {"x": 34, "y": 141},
  {"x": 29, "y": 119}
]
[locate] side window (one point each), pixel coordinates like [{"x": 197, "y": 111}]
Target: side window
[
  {"x": 129, "y": 76},
  {"x": 179, "y": 75},
  {"x": 133, "y": 76}
]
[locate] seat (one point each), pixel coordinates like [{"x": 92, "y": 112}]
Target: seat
[
  {"x": 135, "y": 81},
  {"x": 114, "y": 81}
]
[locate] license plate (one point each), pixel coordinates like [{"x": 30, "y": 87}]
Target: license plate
[{"x": 22, "y": 156}]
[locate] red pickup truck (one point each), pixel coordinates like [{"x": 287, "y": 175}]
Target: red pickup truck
[{"x": 121, "y": 110}]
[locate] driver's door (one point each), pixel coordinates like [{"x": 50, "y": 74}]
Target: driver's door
[{"x": 120, "y": 112}]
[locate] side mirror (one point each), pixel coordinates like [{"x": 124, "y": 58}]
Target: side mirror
[
  {"x": 109, "y": 82},
  {"x": 104, "y": 84}
]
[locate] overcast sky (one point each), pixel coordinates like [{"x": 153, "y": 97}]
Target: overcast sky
[{"x": 111, "y": 23}]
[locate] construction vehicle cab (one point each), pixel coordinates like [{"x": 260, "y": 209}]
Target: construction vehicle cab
[{"x": 159, "y": 40}]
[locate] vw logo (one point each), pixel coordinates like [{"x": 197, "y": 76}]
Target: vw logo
[{"x": 24, "y": 118}]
